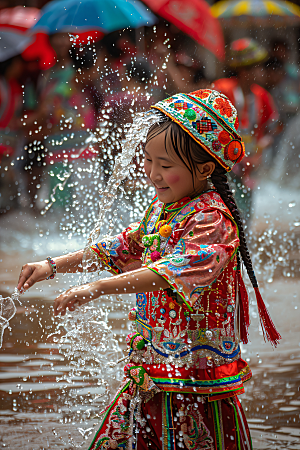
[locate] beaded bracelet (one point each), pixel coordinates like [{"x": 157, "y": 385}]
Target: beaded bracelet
[{"x": 53, "y": 265}]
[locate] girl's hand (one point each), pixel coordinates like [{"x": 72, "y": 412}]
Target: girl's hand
[
  {"x": 76, "y": 296},
  {"x": 33, "y": 272}
]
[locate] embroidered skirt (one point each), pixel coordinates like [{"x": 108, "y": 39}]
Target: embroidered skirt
[{"x": 171, "y": 421}]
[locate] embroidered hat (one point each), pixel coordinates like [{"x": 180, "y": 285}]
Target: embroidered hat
[
  {"x": 209, "y": 118},
  {"x": 246, "y": 52}
]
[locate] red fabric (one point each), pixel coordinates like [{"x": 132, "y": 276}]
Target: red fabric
[
  {"x": 244, "y": 308},
  {"x": 216, "y": 373},
  {"x": 40, "y": 50},
  {"x": 193, "y": 18},
  {"x": 194, "y": 424}
]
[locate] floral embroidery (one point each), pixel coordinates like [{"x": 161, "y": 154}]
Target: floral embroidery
[
  {"x": 202, "y": 93},
  {"x": 141, "y": 301},
  {"x": 204, "y": 254},
  {"x": 113, "y": 247},
  {"x": 196, "y": 435},
  {"x": 223, "y": 105},
  {"x": 178, "y": 264},
  {"x": 203, "y": 114}
]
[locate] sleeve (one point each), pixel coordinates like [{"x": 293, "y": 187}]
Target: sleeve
[
  {"x": 207, "y": 244},
  {"x": 121, "y": 253}
]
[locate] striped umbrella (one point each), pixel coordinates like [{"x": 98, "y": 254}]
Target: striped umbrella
[{"x": 256, "y": 12}]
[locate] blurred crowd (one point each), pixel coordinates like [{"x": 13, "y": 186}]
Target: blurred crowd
[{"x": 50, "y": 118}]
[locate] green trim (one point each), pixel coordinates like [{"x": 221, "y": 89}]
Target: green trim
[
  {"x": 217, "y": 426},
  {"x": 237, "y": 428},
  {"x": 198, "y": 382},
  {"x": 108, "y": 411}
]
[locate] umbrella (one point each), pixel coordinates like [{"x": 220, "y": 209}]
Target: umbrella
[
  {"x": 256, "y": 12},
  {"x": 193, "y": 18},
  {"x": 76, "y": 16},
  {"x": 13, "y": 25},
  {"x": 14, "y": 40}
]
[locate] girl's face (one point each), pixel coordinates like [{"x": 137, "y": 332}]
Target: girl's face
[{"x": 171, "y": 178}]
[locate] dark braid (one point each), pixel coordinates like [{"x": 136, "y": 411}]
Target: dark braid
[
  {"x": 191, "y": 154},
  {"x": 220, "y": 182}
]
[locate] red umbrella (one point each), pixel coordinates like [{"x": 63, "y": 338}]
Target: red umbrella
[
  {"x": 14, "y": 25},
  {"x": 194, "y": 18}
]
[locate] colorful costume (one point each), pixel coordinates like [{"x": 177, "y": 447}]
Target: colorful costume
[
  {"x": 185, "y": 369},
  {"x": 182, "y": 350}
]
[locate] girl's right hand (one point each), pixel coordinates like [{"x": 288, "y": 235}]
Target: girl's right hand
[{"x": 33, "y": 272}]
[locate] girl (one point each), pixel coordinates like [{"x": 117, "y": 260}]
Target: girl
[{"x": 184, "y": 370}]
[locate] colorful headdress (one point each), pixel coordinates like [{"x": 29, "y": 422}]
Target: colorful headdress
[
  {"x": 246, "y": 52},
  {"x": 209, "y": 118}
]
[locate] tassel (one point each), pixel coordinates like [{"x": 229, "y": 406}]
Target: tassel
[
  {"x": 244, "y": 308},
  {"x": 269, "y": 331}
]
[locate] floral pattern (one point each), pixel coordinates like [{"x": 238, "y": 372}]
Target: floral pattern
[
  {"x": 202, "y": 114},
  {"x": 223, "y": 106}
]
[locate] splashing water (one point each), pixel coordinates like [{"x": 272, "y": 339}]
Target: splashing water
[
  {"x": 7, "y": 311},
  {"x": 136, "y": 134},
  {"x": 89, "y": 343}
]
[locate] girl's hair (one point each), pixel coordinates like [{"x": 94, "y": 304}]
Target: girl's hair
[{"x": 191, "y": 154}]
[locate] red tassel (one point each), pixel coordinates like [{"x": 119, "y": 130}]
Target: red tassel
[
  {"x": 244, "y": 309},
  {"x": 268, "y": 327}
]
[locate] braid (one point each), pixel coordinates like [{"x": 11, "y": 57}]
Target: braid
[{"x": 219, "y": 180}]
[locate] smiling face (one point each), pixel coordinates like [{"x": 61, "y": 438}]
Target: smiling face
[{"x": 169, "y": 175}]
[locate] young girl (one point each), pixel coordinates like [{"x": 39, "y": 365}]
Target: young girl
[{"x": 184, "y": 370}]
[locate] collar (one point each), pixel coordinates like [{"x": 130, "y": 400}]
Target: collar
[{"x": 176, "y": 206}]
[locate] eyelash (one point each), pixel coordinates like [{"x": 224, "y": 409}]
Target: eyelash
[{"x": 164, "y": 167}]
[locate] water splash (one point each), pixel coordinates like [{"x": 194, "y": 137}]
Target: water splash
[
  {"x": 88, "y": 342},
  {"x": 136, "y": 134},
  {"x": 7, "y": 311}
]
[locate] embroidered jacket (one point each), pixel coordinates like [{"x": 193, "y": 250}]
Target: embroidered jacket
[{"x": 190, "y": 329}]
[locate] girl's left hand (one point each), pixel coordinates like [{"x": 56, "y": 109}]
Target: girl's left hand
[{"x": 76, "y": 296}]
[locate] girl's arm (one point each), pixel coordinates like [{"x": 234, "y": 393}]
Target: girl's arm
[
  {"x": 140, "y": 280},
  {"x": 39, "y": 271}
]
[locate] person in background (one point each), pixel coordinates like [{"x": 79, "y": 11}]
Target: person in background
[
  {"x": 256, "y": 110},
  {"x": 11, "y": 102},
  {"x": 39, "y": 123},
  {"x": 185, "y": 74}
]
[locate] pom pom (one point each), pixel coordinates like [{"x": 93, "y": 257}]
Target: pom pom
[
  {"x": 129, "y": 337},
  {"x": 138, "y": 343},
  {"x": 155, "y": 256},
  {"x": 127, "y": 369},
  {"x": 132, "y": 315},
  {"x": 165, "y": 231}
]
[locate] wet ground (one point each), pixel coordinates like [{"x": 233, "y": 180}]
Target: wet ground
[{"x": 42, "y": 407}]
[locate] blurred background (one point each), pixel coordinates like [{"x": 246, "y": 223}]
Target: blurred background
[{"x": 72, "y": 75}]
